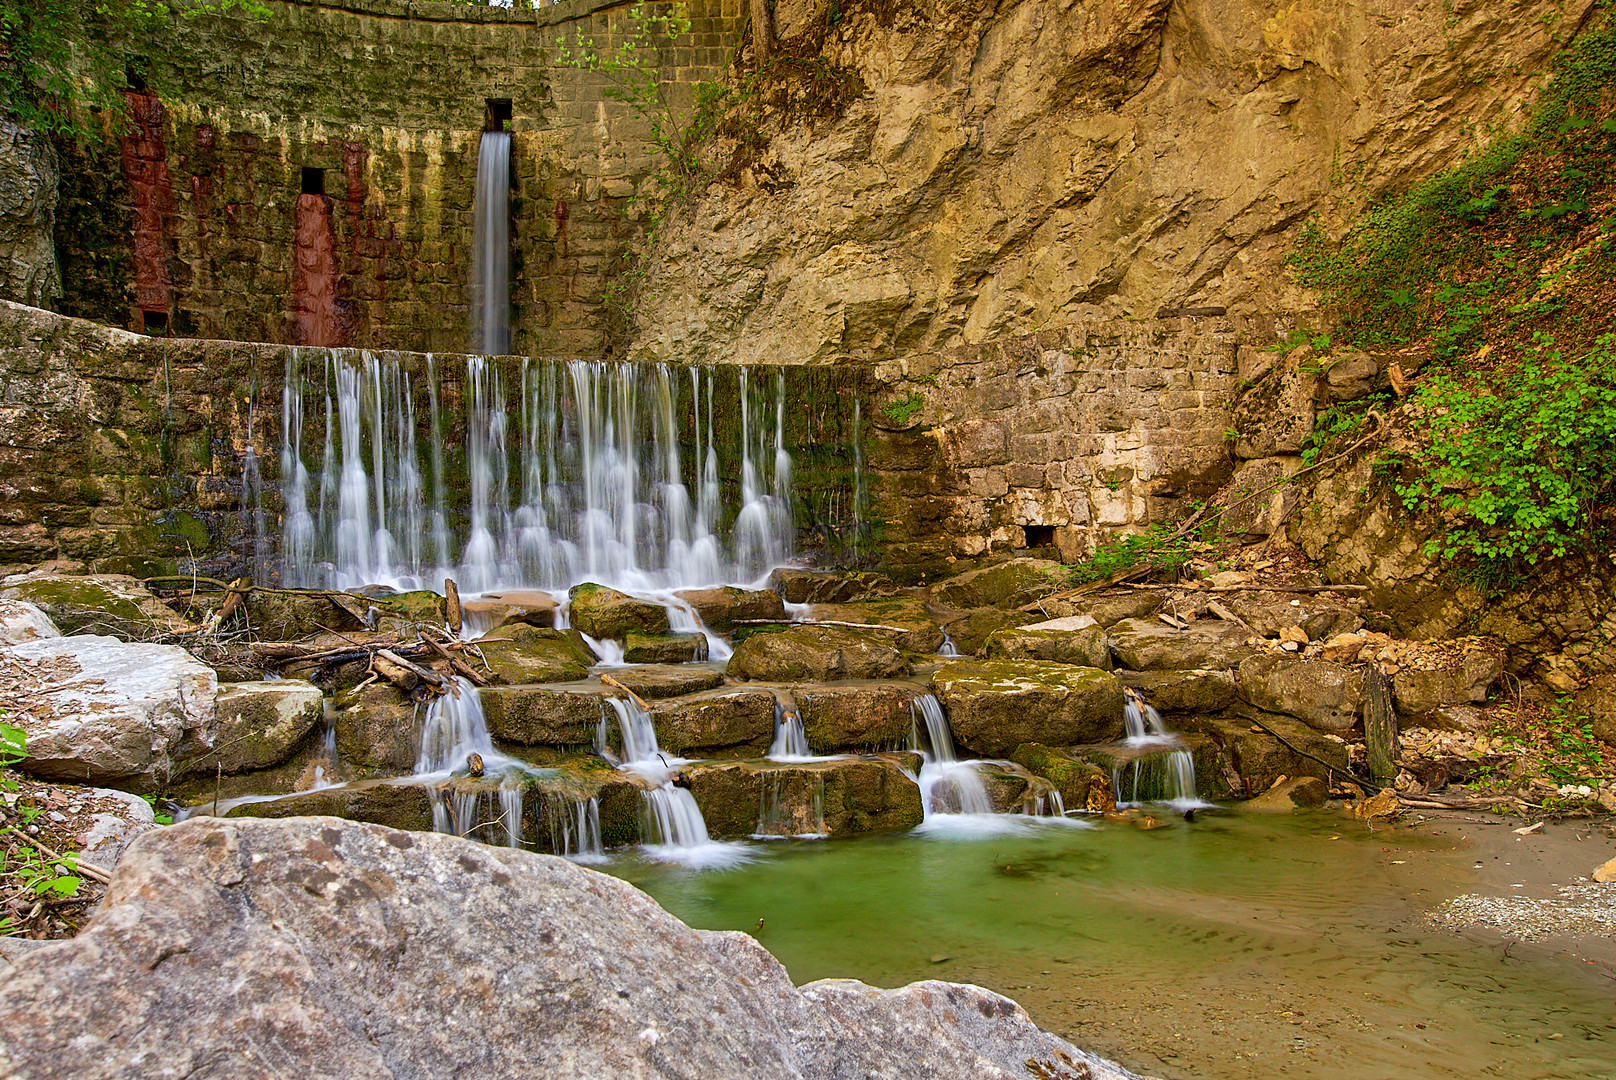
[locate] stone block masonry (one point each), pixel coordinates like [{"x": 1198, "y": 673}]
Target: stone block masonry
[
  {"x": 127, "y": 453},
  {"x": 1058, "y": 440},
  {"x": 336, "y": 144}
]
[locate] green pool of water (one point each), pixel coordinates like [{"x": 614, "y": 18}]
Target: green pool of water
[{"x": 1231, "y": 947}]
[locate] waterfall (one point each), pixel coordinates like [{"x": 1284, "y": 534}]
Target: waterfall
[
  {"x": 491, "y": 247},
  {"x": 573, "y": 471},
  {"x": 1165, "y": 770},
  {"x": 790, "y": 740},
  {"x": 675, "y": 830},
  {"x": 453, "y": 730},
  {"x": 948, "y": 786},
  {"x": 574, "y": 826}
]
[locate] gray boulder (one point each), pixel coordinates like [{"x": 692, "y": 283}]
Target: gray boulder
[
  {"x": 994, "y": 706},
  {"x": 1326, "y": 697},
  {"x": 1151, "y": 645},
  {"x": 101, "y": 711},
  {"x": 21, "y": 621},
  {"x": 1418, "y": 692},
  {"x": 321, "y": 948}
]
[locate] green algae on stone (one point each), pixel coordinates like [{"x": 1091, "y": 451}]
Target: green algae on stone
[{"x": 995, "y": 705}]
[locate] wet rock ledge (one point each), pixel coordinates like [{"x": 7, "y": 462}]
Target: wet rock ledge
[{"x": 317, "y": 947}]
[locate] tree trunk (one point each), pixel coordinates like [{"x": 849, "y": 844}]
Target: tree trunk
[
  {"x": 1380, "y": 726},
  {"x": 762, "y": 30}
]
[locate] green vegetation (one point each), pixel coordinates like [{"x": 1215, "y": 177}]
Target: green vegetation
[
  {"x": 24, "y": 868},
  {"x": 1438, "y": 260},
  {"x": 1522, "y": 460},
  {"x": 1503, "y": 272},
  {"x": 633, "y": 71},
  {"x": 61, "y": 61},
  {"x": 1157, "y": 548},
  {"x": 902, "y": 410}
]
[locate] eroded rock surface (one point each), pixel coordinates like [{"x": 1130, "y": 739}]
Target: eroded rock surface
[
  {"x": 102, "y": 711},
  {"x": 334, "y": 949},
  {"x": 996, "y": 705},
  {"x": 816, "y": 654}
]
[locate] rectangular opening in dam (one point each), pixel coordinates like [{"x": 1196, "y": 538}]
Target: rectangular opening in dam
[
  {"x": 154, "y": 322},
  {"x": 497, "y": 114},
  {"x": 313, "y": 181}
]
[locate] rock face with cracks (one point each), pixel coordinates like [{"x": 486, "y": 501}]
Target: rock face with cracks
[{"x": 315, "y": 947}]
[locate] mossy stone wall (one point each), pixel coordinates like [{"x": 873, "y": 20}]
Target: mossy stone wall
[
  {"x": 128, "y": 453},
  {"x": 389, "y": 100}
]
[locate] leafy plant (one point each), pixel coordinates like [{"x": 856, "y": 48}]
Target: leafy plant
[
  {"x": 634, "y": 73},
  {"x": 1520, "y": 463},
  {"x": 41, "y": 877},
  {"x": 1156, "y": 545},
  {"x": 901, "y": 410}
]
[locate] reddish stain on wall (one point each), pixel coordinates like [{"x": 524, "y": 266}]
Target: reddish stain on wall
[
  {"x": 145, "y": 169},
  {"x": 316, "y": 315}
]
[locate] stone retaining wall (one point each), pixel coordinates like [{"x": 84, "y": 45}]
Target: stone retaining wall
[
  {"x": 127, "y": 453},
  {"x": 1056, "y": 440},
  {"x": 193, "y": 216}
]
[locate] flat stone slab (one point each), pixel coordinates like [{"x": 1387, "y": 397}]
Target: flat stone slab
[
  {"x": 817, "y": 654},
  {"x": 995, "y": 705},
  {"x": 728, "y": 721},
  {"x": 601, "y": 612},
  {"x": 857, "y": 716},
  {"x": 1184, "y": 691},
  {"x": 107, "y": 603},
  {"x": 546, "y": 715},
  {"x": 1151, "y": 645},
  {"x": 656, "y": 681},
  {"x": 1086, "y": 646},
  {"x": 103, "y": 711}
]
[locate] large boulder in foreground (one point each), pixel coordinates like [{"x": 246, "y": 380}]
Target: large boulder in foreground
[
  {"x": 102, "y": 711},
  {"x": 806, "y": 654},
  {"x": 335, "y": 949},
  {"x": 996, "y": 705}
]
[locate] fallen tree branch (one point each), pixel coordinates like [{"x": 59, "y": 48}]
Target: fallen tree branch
[
  {"x": 820, "y": 622},
  {"x": 460, "y": 666}
]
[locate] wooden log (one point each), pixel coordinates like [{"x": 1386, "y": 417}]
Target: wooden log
[
  {"x": 397, "y": 674},
  {"x": 426, "y": 675},
  {"x": 1380, "y": 726},
  {"x": 451, "y": 600},
  {"x": 607, "y": 680},
  {"x": 460, "y": 666}
]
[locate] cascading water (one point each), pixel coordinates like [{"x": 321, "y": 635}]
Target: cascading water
[
  {"x": 675, "y": 830},
  {"x": 790, "y": 739},
  {"x": 1164, "y": 770},
  {"x": 491, "y": 247},
  {"x": 574, "y": 826},
  {"x": 948, "y": 786},
  {"x": 573, "y": 472}
]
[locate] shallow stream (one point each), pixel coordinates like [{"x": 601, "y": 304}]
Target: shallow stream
[{"x": 1235, "y": 946}]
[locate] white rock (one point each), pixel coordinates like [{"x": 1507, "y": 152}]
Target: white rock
[
  {"x": 21, "y": 621},
  {"x": 98, "y": 710}
]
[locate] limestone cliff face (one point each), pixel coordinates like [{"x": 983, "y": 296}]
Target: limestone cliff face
[
  {"x": 28, "y": 272},
  {"x": 1016, "y": 164}
]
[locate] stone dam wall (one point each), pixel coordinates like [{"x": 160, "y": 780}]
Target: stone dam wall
[
  {"x": 127, "y": 453},
  {"x": 308, "y": 178}
]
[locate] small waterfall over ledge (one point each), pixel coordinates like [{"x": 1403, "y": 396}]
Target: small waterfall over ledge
[{"x": 641, "y": 477}]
